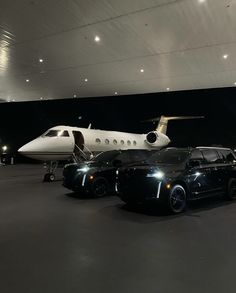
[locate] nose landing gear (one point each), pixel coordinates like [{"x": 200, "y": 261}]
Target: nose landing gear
[{"x": 51, "y": 169}]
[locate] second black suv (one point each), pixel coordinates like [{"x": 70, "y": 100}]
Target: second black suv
[
  {"x": 172, "y": 176},
  {"x": 97, "y": 177}
]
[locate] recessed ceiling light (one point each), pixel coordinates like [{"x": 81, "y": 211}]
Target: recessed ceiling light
[
  {"x": 201, "y": 1},
  {"x": 75, "y": 96},
  {"x": 13, "y": 100},
  {"x": 27, "y": 80},
  {"x": 167, "y": 88},
  {"x": 116, "y": 93},
  {"x": 97, "y": 39},
  {"x": 225, "y": 56},
  {"x": 41, "y": 98},
  {"x": 86, "y": 80},
  {"x": 235, "y": 83},
  {"x": 141, "y": 70},
  {"x": 40, "y": 60}
]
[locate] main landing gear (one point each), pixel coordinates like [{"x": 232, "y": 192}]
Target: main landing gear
[{"x": 51, "y": 169}]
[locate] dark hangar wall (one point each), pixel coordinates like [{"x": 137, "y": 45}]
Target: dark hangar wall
[{"x": 21, "y": 122}]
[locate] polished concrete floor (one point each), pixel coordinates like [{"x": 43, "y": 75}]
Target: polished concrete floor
[{"x": 53, "y": 242}]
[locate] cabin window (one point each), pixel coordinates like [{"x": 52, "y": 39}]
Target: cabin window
[
  {"x": 106, "y": 141},
  {"x": 98, "y": 140},
  {"x": 134, "y": 142},
  {"x": 115, "y": 141},
  {"x": 122, "y": 142},
  {"x": 128, "y": 142}
]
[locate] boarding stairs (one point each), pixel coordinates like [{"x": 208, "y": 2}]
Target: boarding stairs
[{"x": 80, "y": 155}]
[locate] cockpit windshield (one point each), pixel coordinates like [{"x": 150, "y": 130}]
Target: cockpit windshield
[
  {"x": 169, "y": 157},
  {"x": 56, "y": 133}
]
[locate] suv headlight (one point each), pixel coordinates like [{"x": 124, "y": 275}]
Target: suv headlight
[
  {"x": 157, "y": 175},
  {"x": 84, "y": 169}
]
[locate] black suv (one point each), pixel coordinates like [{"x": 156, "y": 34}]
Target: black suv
[
  {"x": 173, "y": 175},
  {"x": 97, "y": 177}
]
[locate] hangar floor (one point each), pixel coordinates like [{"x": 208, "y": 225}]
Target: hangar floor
[{"x": 50, "y": 242}]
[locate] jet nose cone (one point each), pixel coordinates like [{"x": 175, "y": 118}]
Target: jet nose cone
[
  {"x": 36, "y": 147},
  {"x": 22, "y": 149},
  {"x": 29, "y": 149},
  {"x": 48, "y": 149},
  {"x": 26, "y": 148}
]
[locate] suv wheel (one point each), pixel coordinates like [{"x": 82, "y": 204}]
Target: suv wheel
[
  {"x": 100, "y": 187},
  {"x": 177, "y": 199},
  {"x": 231, "y": 191}
]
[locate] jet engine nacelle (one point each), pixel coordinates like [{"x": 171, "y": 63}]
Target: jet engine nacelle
[{"x": 157, "y": 139}]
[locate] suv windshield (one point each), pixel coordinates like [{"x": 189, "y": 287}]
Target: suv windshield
[
  {"x": 169, "y": 157},
  {"x": 106, "y": 156}
]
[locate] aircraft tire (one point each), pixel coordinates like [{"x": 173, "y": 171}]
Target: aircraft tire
[{"x": 49, "y": 177}]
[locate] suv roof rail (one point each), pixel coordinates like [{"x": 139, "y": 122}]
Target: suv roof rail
[{"x": 213, "y": 147}]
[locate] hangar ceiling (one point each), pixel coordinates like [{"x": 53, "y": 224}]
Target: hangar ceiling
[{"x": 51, "y": 49}]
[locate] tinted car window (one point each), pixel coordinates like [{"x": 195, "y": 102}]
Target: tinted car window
[
  {"x": 211, "y": 156},
  {"x": 197, "y": 155},
  {"x": 228, "y": 156},
  {"x": 133, "y": 156},
  {"x": 171, "y": 157},
  {"x": 123, "y": 157},
  {"x": 221, "y": 155},
  {"x": 138, "y": 155}
]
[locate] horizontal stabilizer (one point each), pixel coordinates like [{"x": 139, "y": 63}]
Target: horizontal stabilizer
[{"x": 163, "y": 121}]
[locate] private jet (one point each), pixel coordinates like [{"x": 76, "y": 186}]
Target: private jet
[{"x": 62, "y": 143}]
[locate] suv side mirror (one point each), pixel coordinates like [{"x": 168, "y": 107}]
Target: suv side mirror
[
  {"x": 194, "y": 163},
  {"x": 117, "y": 163}
]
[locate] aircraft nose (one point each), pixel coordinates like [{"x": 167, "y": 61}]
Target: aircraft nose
[
  {"x": 27, "y": 148},
  {"x": 22, "y": 149},
  {"x": 31, "y": 148},
  {"x": 48, "y": 149}
]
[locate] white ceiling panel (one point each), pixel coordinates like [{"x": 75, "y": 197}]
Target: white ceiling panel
[{"x": 179, "y": 44}]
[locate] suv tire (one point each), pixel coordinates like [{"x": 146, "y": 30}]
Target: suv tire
[{"x": 177, "y": 199}]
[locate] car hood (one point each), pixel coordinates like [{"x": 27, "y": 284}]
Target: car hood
[{"x": 83, "y": 166}]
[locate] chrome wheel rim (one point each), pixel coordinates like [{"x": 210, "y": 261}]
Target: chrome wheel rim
[{"x": 177, "y": 199}]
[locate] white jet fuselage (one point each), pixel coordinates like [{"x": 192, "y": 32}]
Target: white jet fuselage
[{"x": 61, "y": 142}]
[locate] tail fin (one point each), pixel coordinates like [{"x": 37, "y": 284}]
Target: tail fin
[{"x": 163, "y": 121}]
